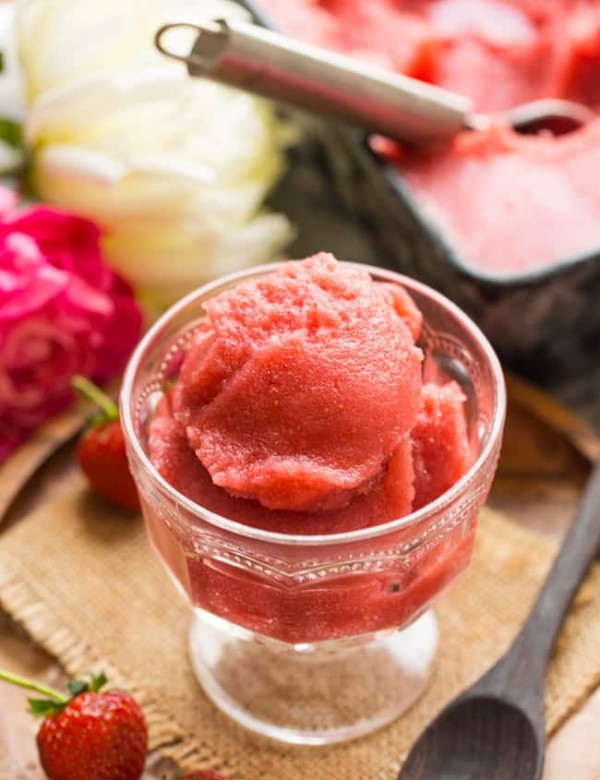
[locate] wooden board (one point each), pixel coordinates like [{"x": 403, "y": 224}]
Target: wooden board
[{"x": 546, "y": 457}]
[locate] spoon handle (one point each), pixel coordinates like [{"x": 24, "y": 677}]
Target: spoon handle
[
  {"x": 318, "y": 80},
  {"x": 523, "y": 667}
]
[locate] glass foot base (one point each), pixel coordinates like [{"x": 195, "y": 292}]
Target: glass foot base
[{"x": 312, "y": 694}]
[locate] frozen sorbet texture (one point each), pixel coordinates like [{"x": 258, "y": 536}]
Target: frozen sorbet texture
[
  {"x": 301, "y": 387},
  {"x": 301, "y": 394},
  {"x": 498, "y": 52},
  {"x": 300, "y": 408},
  {"x": 510, "y": 204}
]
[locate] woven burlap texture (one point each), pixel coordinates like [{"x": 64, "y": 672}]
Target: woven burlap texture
[{"x": 85, "y": 584}]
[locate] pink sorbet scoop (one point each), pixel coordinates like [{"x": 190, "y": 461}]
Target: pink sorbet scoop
[{"x": 301, "y": 386}]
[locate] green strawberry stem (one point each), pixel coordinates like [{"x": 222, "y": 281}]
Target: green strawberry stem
[
  {"x": 31, "y": 685},
  {"x": 93, "y": 393}
]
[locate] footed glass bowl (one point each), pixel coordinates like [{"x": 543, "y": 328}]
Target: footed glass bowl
[{"x": 315, "y": 639}]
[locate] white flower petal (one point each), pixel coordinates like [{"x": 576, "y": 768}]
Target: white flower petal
[
  {"x": 193, "y": 256},
  {"x": 175, "y": 170},
  {"x": 62, "y": 40},
  {"x": 75, "y": 163},
  {"x": 172, "y": 165},
  {"x": 73, "y": 108}
]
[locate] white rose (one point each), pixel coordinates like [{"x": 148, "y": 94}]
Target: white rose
[{"x": 175, "y": 170}]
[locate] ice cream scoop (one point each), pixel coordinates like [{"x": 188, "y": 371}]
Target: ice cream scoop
[
  {"x": 286, "y": 395},
  {"x": 333, "y": 85}
]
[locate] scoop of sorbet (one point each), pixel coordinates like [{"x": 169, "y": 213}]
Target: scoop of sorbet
[{"x": 301, "y": 385}]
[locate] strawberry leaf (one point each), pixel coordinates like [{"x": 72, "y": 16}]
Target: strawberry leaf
[
  {"x": 78, "y": 686},
  {"x": 44, "y": 707},
  {"x": 98, "y": 681}
]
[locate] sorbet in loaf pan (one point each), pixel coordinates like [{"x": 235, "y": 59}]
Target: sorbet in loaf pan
[{"x": 510, "y": 204}]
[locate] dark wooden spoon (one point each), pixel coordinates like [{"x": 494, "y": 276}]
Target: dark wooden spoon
[{"x": 495, "y": 729}]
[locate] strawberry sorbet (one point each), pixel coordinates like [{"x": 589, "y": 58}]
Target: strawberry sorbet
[
  {"x": 301, "y": 387},
  {"x": 510, "y": 204},
  {"x": 300, "y": 408},
  {"x": 513, "y": 203}
]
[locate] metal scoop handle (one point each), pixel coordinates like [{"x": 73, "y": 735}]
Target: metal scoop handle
[{"x": 322, "y": 82}]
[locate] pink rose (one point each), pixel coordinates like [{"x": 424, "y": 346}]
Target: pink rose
[{"x": 62, "y": 312}]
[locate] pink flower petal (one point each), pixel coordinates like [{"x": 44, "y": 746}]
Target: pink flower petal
[{"x": 62, "y": 311}]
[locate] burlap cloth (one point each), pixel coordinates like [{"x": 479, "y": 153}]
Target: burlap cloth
[{"x": 84, "y": 583}]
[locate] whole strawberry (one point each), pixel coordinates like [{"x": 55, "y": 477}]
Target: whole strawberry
[
  {"x": 91, "y": 735},
  {"x": 101, "y": 450}
]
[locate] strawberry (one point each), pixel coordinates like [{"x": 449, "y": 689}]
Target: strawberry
[
  {"x": 89, "y": 735},
  {"x": 101, "y": 450}
]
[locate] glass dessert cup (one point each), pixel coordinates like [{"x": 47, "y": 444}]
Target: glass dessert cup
[{"x": 316, "y": 639}]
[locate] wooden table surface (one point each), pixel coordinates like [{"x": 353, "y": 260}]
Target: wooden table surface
[{"x": 546, "y": 456}]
